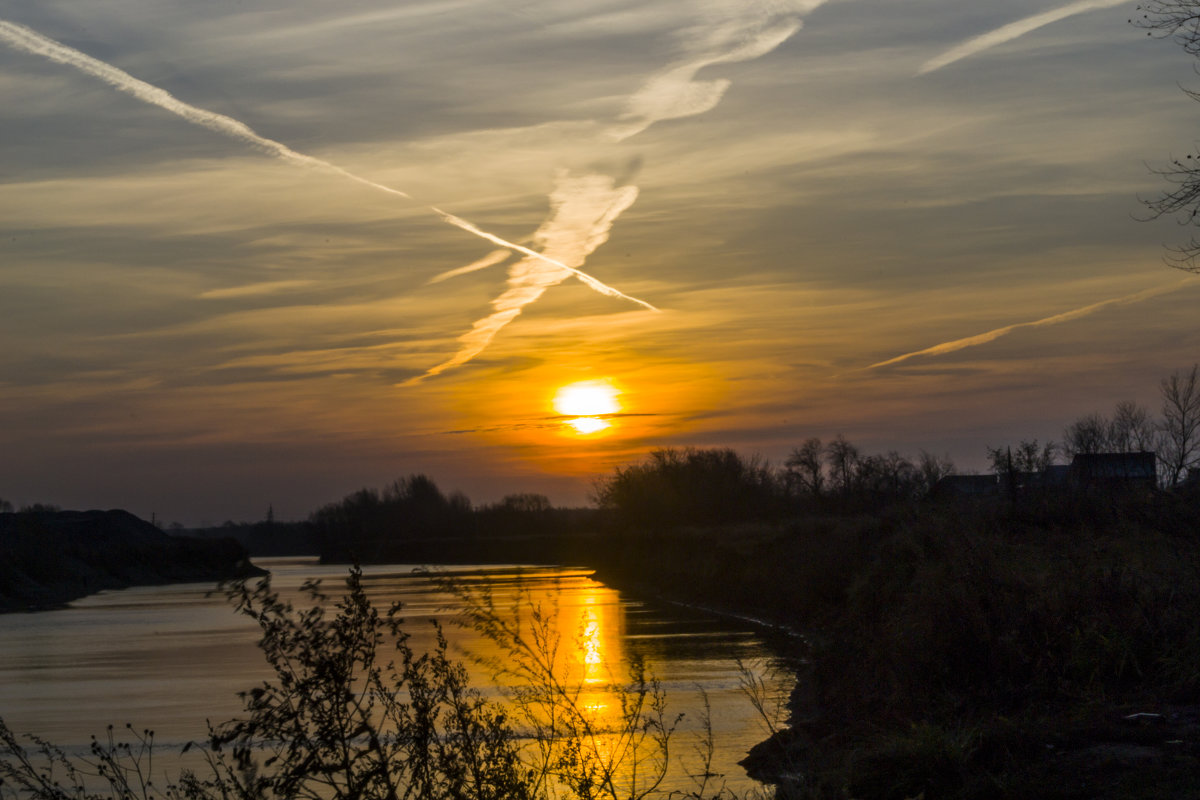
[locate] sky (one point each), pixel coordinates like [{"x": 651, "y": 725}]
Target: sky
[{"x": 263, "y": 254}]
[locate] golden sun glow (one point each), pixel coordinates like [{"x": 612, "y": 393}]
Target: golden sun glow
[{"x": 587, "y": 404}]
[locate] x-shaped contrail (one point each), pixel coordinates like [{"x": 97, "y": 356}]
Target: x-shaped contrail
[{"x": 30, "y": 41}]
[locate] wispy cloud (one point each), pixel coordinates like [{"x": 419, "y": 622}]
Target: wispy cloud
[
  {"x": 491, "y": 259},
  {"x": 582, "y": 212},
  {"x": 252, "y": 289},
  {"x": 30, "y": 41},
  {"x": 1066, "y": 316},
  {"x": 1013, "y": 30},
  {"x": 754, "y": 31}
]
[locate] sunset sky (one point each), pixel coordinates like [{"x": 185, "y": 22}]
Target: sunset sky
[{"x": 267, "y": 253}]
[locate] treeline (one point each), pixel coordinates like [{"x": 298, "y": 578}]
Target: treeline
[
  {"x": 1173, "y": 435},
  {"x": 689, "y": 486},
  {"x": 266, "y": 538},
  {"x": 413, "y": 520}
]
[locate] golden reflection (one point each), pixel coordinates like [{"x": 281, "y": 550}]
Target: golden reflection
[
  {"x": 591, "y": 647},
  {"x": 585, "y": 425},
  {"x": 597, "y": 651}
]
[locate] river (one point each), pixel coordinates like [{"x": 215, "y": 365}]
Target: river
[{"x": 168, "y": 658}]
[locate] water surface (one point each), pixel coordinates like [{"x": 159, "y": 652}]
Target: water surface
[{"x": 168, "y": 658}]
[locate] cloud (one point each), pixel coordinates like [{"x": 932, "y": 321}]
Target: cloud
[
  {"x": 30, "y": 41},
  {"x": 583, "y": 207},
  {"x": 1066, "y": 316},
  {"x": 753, "y": 32},
  {"x": 582, "y": 212},
  {"x": 251, "y": 289},
  {"x": 1013, "y": 30},
  {"x": 491, "y": 259}
]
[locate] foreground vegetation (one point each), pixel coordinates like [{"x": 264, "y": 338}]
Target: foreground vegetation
[
  {"x": 973, "y": 652},
  {"x": 352, "y": 712}
]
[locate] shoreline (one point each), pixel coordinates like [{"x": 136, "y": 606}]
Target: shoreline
[{"x": 95, "y": 551}]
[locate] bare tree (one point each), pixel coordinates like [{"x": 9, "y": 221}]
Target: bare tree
[
  {"x": 1088, "y": 434},
  {"x": 1179, "y": 21},
  {"x": 804, "y": 467},
  {"x": 931, "y": 469},
  {"x": 1028, "y": 456},
  {"x": 1180, "y": 423},
  {"x": 842, "y": 458},
  {"x": 1131, "y": 430},
  {"x": 899, "y": 475}
]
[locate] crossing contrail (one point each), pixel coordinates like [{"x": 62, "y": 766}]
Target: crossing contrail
[
  {"x": 30, "y": 41},
  {"x": 1066, "y": 316},
  {"x": 583, "y": 210},
  {"x": 1007, "y": 33}
]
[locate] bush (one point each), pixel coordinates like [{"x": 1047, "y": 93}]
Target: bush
[
  {"x": 352, "y": 712},
  {"x": 692, "y": 487}
]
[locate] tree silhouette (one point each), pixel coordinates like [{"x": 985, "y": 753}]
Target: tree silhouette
[
  {"x": 691, "y": 487},
  {"x": 1088, "y": 434},
  {"x": 842, "y": 458},
  {"x": 1028, "y": 456},
  {"x": 931, "y": 469},
  {"x": 1180, "y": 424},
  {"x": 804, "y": 472},
  {"x": 1179, "y": 21}
]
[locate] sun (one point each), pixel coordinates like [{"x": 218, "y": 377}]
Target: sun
[{"x": 586, "y": 405}]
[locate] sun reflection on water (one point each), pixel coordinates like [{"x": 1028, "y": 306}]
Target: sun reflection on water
[{"x": 586, "y": 425}]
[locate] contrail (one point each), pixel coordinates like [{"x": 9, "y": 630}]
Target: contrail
[
  {"x": 30, "y": 41},
  {"x": 254, "y": 289},
  {"x": 1066, "y": 316},
  {"x": 1014, "y": 29},
  {"x": 599, "y": 286},
  {"x": 583, "y": 210},
  {"x": 491, "y": 259}
]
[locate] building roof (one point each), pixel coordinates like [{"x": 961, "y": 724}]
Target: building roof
[{"x": 1124, "y": 466}]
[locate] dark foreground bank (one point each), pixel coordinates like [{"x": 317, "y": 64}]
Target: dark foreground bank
[
  {"x": 48, "y": 558},
  {"x": 1043, "y": 649}
]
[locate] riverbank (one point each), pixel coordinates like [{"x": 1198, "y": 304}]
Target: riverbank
[
  {"x": 1045, "y": 650},
  {"x": 49, "y": 558}
]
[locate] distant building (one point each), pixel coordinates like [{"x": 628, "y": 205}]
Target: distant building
[
  {"x": 1106, "y": 472},
  {"x": 1110, "y": 471},
  {"x": 1057, "y": 476}
]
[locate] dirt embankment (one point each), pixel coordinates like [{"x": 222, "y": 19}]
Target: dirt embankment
[{"x": 48, "y": 558}]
